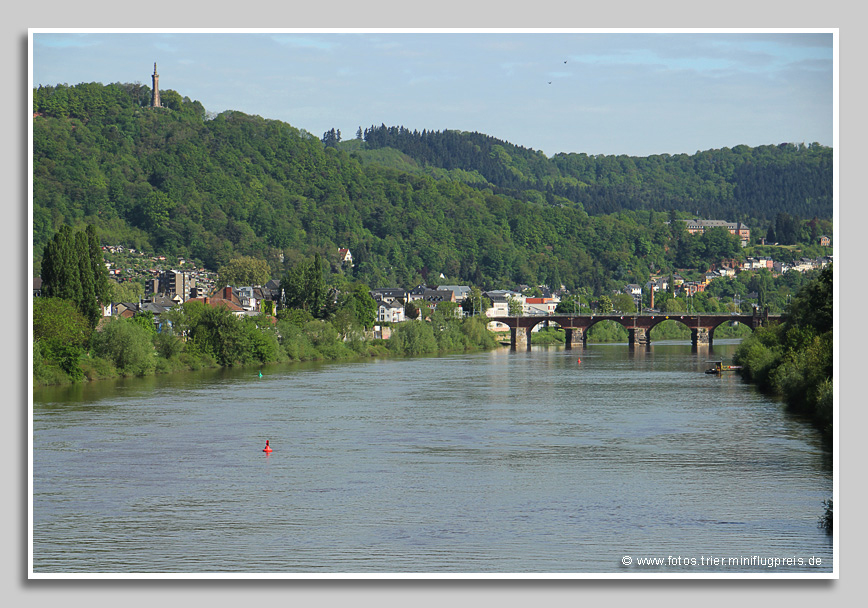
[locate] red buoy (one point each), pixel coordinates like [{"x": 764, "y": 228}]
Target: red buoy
[
  {"x": 578, "y": 361},
  {"x": 267, "y": 447}
]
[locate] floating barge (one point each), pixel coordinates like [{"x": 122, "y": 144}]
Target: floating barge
[{"x": 717, "y": 367}]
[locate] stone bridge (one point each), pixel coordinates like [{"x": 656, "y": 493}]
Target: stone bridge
[{"x": 638, "y": 326}]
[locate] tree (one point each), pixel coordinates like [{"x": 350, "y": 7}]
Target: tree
[
  {"x": 128, "y": 291},
  {"x": 304, "y": 288},
  {"x": 411, "y": 311},
  {"x": 243, "y": 270},
  {"x": 719, "y": 244},
  {"x": 127, "y": 344},
  {"x": 623, "y": 302},
  {"x": 60, "y": 269},
  {"x": 514, "y": 307},
  {"x": 217, "y": 332},
  {"x": 61, "y": 332},
  {"x": 448, "y": 310},
  {"x": 102, "y": 289},
  {"x": 331, "y": 138},
  {"x": 362, "y": 306},
  {"x": 88, "y": 303},
  {"x": 73, "y": 269},
  {"x": 812, "y": 306},
  {"x": 672, "y": 305},
  {"x": 475, "y": 303}
]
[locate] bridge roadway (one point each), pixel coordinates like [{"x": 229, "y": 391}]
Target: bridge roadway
[{"x": 638, "y": 325}]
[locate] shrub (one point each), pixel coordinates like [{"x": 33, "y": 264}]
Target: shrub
[
  {"x": 127, "y": 345},
  {"x": 827, "y": 519},
  {"x": 413, "y": 338},
  {"x": 45, "y": 373}
]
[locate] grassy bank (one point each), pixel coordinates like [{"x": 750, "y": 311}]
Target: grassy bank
[{"x": 200, "y": 337}]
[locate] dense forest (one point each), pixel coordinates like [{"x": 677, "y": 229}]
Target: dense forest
[
  {"x": 746, "y": 184},
  {"x": 180, "y": 181}
]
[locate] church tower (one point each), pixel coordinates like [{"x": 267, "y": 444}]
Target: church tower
[{"x": 155, "y": 97}]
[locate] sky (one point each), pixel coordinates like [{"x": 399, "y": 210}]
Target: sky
[{"x": 595, "y": 92}]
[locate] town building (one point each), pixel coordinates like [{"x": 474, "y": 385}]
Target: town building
[
  {"x": 173, "y": 283},
  {"x": 697, "y": 226}
]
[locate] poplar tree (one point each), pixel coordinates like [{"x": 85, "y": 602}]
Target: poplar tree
[
  {"x": 60, "y": 272},
  {"x": 304, "y": 288},
  {"x": 73, "y": 269}
]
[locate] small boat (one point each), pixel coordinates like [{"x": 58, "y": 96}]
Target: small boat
[{"x": 717, "y": 367}]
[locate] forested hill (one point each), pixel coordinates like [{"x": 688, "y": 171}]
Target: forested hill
[
  {"x": 178, "y": 181},
  {"x": 742, "y": 183}
]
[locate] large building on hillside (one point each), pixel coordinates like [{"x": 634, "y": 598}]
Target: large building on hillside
[{"x": 739, "y": 229}]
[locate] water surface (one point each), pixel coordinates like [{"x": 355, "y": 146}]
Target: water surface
[{"x": 526, "y": 462}]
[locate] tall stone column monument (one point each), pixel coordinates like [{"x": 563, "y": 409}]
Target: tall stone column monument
[{"x": 155, "y": 96}]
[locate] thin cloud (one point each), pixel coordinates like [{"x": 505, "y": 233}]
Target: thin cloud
[
  {"x": 65, "y": 41},
  {"x": 305, "y": 42}
]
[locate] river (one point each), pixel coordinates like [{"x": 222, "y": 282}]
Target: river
[{"x": 547, "y": 461}]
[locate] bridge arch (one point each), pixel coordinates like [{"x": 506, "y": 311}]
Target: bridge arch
[{"x": 638, "y": 326}]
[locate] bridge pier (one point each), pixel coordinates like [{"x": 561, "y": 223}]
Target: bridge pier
[
  {"x": 574, "y": 337},
  {"x": 700, "y": 336},
  {"x": 519, "y": 337},
  {"x": 639, "y": 336}
]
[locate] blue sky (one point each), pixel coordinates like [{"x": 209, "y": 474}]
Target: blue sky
[{"x": 598, "y": 92}]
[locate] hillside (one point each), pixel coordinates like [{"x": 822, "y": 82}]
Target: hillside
[
  {"x": 752, "y": 185},
  {"x": 178, "y": 181}
]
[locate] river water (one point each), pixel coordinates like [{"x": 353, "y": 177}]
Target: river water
[{"x": 500, "y": 462}]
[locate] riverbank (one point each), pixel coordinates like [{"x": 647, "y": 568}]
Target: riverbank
[
  {"x": 793, "y": 360},
  {"x": 125, "y": 348}
]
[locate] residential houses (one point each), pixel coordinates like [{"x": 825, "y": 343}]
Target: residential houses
[
  {"x": 168, "y": 287},
  {"x": 390, "y": 312}
]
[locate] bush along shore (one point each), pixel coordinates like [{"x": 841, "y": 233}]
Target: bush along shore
[
  {"x": 793, "y": 360},
  {"x": 195, "y": 336}
]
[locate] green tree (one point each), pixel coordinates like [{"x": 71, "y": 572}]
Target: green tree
[
  {"x": 413, "y": 338},
  {"x": 812, "y": 306},
  {"x": 514, "y": 307},
  {"x": 604, "y": 305},
  {"x": 623, "y": 302},
  {"x": 60, "y": 268},
  {"x": 448, "y": 310},
  {"x": 61, "y": 333},
  {"x": 304, "y": 287},
  {"x": 87, "y": 303},
  {"x": 475, "y": 303},
  {"x": 128, "y": 291},
  {"x": 101, "y": 286},
  {"x": 73, "y": 269},
  {"x": 411, "y": 311},
  {"x": 363, "y": 305},
  {"x": 127, "y": 345},
  {"x": 217, "y": 332},
  {"x": 671, "y": 305},
  {"x": 243, "y": 270}
]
